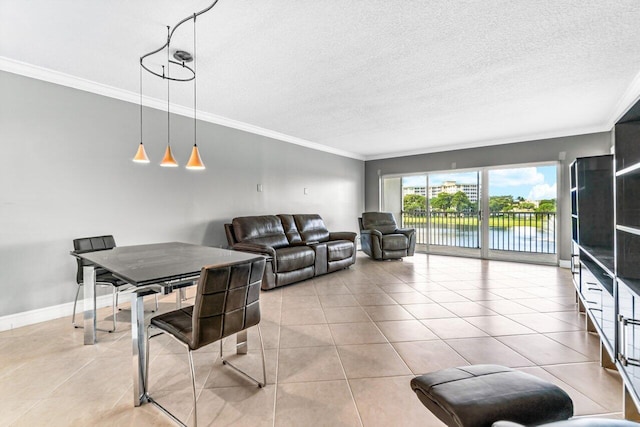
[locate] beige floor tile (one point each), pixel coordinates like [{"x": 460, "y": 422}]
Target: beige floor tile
[
  {"x": 371, "y": 360},
  {"x": 499, "y": 325},
  {"x": 293, "y": 302},
  {"x": 390, "y": 402},
  {"x": 356, "y": 333},
  {"x": 321, "y": 403},
  {"x": 453, "y": 328},
  {"x": 374, "y": 299},
  {"x": 309, "y": 364},
  {"x": 428, "y": 356},
  {"x": 304, "y": 316},
  {"x": 580, "y": 341},
  {"x": 305, "y": 336},
  {"x": 445, "y": 296},
  {"x": 542, "y": 350},
  {"x": 345, "y": 314},
  {"x": 573, "y": 317},
  {"x": 478, "y": 294},
  {"x": 509, "y": 293},
  {"x": 428, "y": 311},
  {"x": 14, "y": 408},
  {"x": 505, "y": 307},
  {"x": 396, "y": 288},
  {"x": 600, "y": 385},
  {"x": 488, "y": 350},
  {"x": 543, "y": 305},
  {"x": 364, "y": 288},
  {"x": 31, "y": 382},
  {"x": 427, "y": 287},
  {"x": 337, "y": 300},
  {"x": 467, "y": 308},
  {"x": 542, "y": 323},
  {"x": 331, "y": 289},
  {"x": 412, "y": 297},
  {"x": 405, "y": 330},
  {"x": 303, "y": 288},
  {"x": 582, "y": 405},
  {"x": 387, "y": 312},
  {"x": 235, "y": 406}
]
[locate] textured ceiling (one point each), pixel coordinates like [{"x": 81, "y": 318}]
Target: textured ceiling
[{"x": 365, "y": 78}]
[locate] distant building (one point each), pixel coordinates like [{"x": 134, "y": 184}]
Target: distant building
[
  {"x": 422, "y": 191},
  {"x": 452, "y": 187}
]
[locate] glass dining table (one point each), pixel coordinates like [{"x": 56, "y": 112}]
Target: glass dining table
[{"x": 153, "y": 268}]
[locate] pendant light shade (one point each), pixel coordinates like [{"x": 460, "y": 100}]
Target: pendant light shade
[
  {"x": 168, "y": 161},
  {"x": 141, "y": 155},
  {"x": 195, "y": 162}
]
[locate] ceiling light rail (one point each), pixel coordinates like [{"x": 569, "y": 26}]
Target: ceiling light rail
[{"x": 195, "y": 161}]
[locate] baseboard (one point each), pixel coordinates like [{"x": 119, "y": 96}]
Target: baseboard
[
  {"x": 30, "y": 317},
  {"x": 564, "y": 263}
]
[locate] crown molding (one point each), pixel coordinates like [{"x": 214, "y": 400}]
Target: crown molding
[
  {"x": 56, "y": 77},
  {"x": 628, "y": 100},
  {"x": 486, "y": 143}
]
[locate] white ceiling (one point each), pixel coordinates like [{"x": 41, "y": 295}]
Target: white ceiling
[{"x": 364, "y": 78}]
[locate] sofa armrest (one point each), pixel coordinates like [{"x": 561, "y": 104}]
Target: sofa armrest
[
  {"x": 406, "y": 231},
  {"x": 343, "y": 235},
  {"x": 372, "y": 233},
  {"x": 255, "y": 248}
]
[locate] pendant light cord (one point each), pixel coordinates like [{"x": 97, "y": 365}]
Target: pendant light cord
[
  {"x": 195, "y": 60},
  {"x": 141, "y": 104},
  {"x": 168, "y": 80}
]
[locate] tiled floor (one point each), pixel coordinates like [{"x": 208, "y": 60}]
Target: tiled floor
[{"x": 341, "y": 350}]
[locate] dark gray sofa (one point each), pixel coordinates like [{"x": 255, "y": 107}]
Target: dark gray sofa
[{"x": 298, "y": 247}]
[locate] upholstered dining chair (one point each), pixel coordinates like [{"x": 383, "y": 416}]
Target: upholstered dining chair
[
  {"x": 103, "y": 278},
  {"x": 227, "y": 301}
]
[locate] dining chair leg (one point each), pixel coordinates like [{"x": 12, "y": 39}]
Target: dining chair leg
[
  {"x": 264, "y": 370},
  {"x": 75, "y": 303},
  {"x": 193, "y": 388},
  {"x": 156, "y": 298},
  {"x": 114, "y": 304}
]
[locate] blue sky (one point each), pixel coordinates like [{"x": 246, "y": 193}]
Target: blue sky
[{"x": 532, "y": 183}]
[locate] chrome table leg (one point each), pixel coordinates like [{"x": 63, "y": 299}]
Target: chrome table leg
[
  {"x": 138, "y": 346},
  {"x": 89, "y": 304}
]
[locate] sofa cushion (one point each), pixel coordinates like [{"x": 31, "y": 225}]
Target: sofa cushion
[
  {"x": 294, "y": 258},
  {"x": 290, "y": 229},
  {"x": 381, "y": 221},
  {"x": 265, "y": 230},
  {"x": 312, "y": 228},
  {"x": 395, "y": 242},
  {"x": 339, "y": 249}
]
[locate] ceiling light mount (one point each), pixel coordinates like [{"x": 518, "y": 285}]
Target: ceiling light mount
[{"x": 182, "y": 56}]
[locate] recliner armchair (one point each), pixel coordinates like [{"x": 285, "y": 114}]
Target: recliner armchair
[{"x": 381, "y": 238}]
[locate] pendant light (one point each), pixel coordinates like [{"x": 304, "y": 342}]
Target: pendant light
[
  {"x": 195, "y": 162},
  {"x": 141, "y": 154},
  {"x": 168, "y": 161}
]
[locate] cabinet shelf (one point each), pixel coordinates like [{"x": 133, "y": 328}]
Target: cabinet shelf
[
  {"x": 601, "y": 256},
  {"x": 635, "y": 168},
  {"x": 627, "y": 229}
]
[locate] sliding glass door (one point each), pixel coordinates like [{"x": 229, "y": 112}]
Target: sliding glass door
[{"x": 511, "y": 216}]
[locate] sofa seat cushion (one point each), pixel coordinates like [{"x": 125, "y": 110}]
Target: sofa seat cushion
[
  {"x": 339, "y": 249},
  {"x": 394, "y": 242},
  {"x": 294, "y": 258}
]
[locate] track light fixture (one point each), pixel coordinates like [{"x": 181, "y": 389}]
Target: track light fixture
[{"x": 181, "y": 58}]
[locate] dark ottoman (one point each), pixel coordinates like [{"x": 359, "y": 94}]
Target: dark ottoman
[{"x": 479, "y": 395}]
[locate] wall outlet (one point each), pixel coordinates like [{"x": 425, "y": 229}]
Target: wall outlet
[{"x": 259, "y": 188}]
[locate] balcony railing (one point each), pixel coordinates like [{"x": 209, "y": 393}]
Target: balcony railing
[{"x": 532, "y": 232}]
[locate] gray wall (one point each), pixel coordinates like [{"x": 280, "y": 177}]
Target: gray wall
[
  {"x": 67, "y": 172},
  {"x": 508, "y": 154}
]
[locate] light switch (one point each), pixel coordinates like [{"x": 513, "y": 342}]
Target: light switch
[
  {"x": 259, "y": 188},
  {"x": 306, "y": 191},
  {"x": 453, "y": 165}
]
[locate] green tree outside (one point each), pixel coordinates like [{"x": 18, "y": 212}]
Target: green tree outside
[{"x": 414, "y": 202}]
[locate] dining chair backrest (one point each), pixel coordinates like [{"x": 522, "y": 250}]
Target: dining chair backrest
[
  {"x": 91, "y": 244},
  {"x": 227, "y": 301}
]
